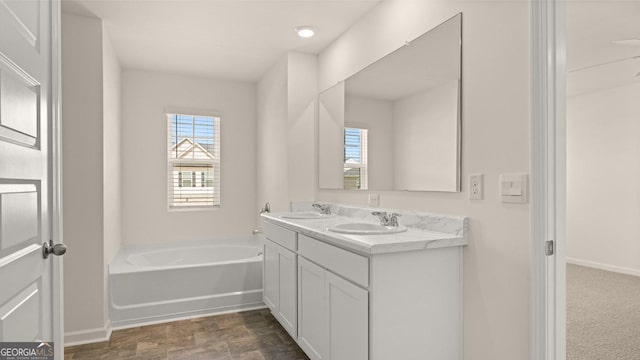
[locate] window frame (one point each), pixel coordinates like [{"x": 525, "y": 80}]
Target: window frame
[{"x": 214, "y": 162}]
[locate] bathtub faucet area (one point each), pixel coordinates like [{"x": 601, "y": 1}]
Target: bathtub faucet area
[{"x": 266, "y": 209}]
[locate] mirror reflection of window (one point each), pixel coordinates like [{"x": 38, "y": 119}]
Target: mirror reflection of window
[{"x": 355, "y": 159}]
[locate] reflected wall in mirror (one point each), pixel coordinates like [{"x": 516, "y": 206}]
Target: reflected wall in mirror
[{"x": 395, "y": 125}]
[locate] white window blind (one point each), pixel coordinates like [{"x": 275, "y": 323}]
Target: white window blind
[
  {"x": 193, "y": 161},
  {"x": 355, "y": 159}
]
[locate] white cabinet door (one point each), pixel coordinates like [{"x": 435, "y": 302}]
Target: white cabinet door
[
  {"x": 312, "y": 326},
  {"x": 347, "y": 314},
  {"x": 271, "y": 273},
  {"x": 280, "y": 285},
  {"x": 287, "y": 292}
]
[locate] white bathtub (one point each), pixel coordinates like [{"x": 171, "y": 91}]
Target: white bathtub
[{"x": 149, "y": 285}]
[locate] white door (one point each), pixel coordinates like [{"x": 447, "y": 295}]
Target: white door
[
  {"x": 287, "y": 294},
  {"x": 27, "y": 310},
  {"x": 312, "y": 321},
  {"x": 347, "y": 313}
]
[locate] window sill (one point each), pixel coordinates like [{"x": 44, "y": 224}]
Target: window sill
[{"x": 193, "y": 208}]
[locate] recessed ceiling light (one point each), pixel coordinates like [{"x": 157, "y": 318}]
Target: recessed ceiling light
[{"x": 305, "y": 31}]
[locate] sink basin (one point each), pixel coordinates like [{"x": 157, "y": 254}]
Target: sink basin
[
  {"x": 366, "y": 229},
  {"x": 306, "y": 215}
]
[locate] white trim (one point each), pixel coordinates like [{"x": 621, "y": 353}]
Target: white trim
[
  {"x": 547, "y": 168},
  {"x": 57, "y": 293},
  {"x": 127, "y": 324},
  {"x": 193, "y": 208},
  {"x": 209, "y": 298},
  {"x": 538, "y": 168},
  {"x": 88, "y": 336},
  {"x": 601, "y": 266},
  {"x": 193, "y": 111}
]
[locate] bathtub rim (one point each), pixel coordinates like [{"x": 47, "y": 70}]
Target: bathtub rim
[
  {"x": 127, "y": 259},
  {"x": 120, "y": 265}
]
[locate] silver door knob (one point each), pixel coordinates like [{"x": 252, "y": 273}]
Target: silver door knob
[{"x": 48, "y": 248}]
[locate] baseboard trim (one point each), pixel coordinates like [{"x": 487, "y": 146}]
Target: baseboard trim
[
  {"x": 88, "y": 336},
  {"x": 126, "y": 324},
  {"x": 606, "y": 267}
]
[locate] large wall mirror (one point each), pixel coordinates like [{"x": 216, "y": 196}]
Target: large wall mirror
[{"x": 395, "y": 125}]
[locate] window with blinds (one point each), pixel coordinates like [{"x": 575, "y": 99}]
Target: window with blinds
[
  {"x": 193, "y": 161},
  {"x": 355, "y": 159}
]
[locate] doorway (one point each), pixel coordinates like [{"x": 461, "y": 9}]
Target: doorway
[{"x": 602, "y": 180}]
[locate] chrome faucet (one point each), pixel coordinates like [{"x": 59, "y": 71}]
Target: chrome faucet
[
  {"x": 387, "y": 219},
  {"x": 266, "y": 209},
  {"x": 324, "y": 209},
  {"x": 393, "y": 219}
]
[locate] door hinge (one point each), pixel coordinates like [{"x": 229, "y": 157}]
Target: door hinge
[{"x": 549, "y": 247}]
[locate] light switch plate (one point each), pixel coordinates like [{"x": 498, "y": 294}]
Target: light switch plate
[
  {"x": 374, "y": 200},
  {"x": 514, "y": 188},
  {"x": 476, "y": 187}
]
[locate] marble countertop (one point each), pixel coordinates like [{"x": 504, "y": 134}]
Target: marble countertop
[{"x": 420, "y": 234}]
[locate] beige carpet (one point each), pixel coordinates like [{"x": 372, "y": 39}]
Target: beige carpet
[{"x": 603, "y": 315}]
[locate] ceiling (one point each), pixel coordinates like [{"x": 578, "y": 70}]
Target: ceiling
[
  {"x": 592, "y": 26},
  {"x": 241, "y": 39},
  {"x": 229, "y": 39}
]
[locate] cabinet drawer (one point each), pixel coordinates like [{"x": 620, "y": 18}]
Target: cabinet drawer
[
  {"x": 344, "y": 263},
  {"x": 280, "y": 235}
]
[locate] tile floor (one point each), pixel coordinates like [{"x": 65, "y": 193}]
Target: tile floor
[{"x": 250, "y": 335}]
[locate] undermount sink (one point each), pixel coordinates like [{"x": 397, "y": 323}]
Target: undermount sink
[
  {"x": 306, "y": 215},
  {"x": 366, "y": 229}
]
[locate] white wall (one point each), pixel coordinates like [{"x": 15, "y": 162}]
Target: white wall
[
  {"x": 425, "y": 137},
  {"x": 301, "y": 140},
  {"x": 111, "y": 149},
  {"x": 145, "y": 214},
  {"x": 495, "y": 139},
  {"x": 603, "y": 177},
  {"x": 377, "y": 117},
  {"x": 272, "y": 144},
  {"x": 331, "y": 117},
  {"x": 82, "y": 171},
  {"x": 287, "y": 164},
  {"x": 112, "y": 191}
]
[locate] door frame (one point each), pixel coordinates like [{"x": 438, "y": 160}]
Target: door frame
[
  {"x": 55, "y": 171},
  {"x": 548, "y": 174}
]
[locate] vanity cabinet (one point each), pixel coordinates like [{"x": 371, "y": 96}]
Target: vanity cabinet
[
  {"x": 280, "y": 281},
  {"x": 354, "y": 306},
  {"x": 313, "y": 333},
  {"x": 347, "y": 315},
  {"x": 333, "y": 315}
]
